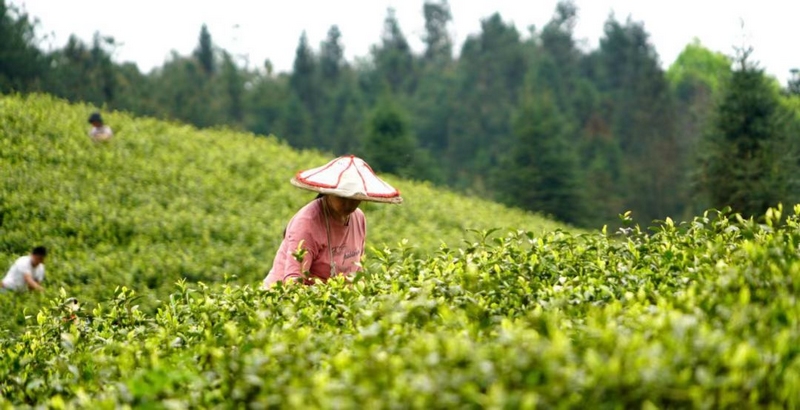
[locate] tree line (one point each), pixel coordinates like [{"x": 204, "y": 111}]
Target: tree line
[{"x": 533, "y": 121}]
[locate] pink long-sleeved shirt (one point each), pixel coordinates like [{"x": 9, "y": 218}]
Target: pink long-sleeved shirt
[{"x": 308, "y": 225}]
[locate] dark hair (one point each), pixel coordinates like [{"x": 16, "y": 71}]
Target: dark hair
[
  {"x": 40, "y": 251},
  {"x": 319, "y": 196},
  {"x": 95, "y": 117}
]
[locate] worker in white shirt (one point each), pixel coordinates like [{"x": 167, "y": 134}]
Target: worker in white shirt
[
  {"x": 99, "y": 132},
  {"x": 26, "y": 273}
]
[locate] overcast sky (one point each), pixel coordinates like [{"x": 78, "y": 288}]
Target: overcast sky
[{"x": 149, "y": 30}]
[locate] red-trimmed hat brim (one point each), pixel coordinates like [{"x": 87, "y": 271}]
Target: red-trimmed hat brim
[{"x": 337, "y": 192}]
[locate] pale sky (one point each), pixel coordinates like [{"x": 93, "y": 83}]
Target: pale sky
[{"x": 149, "y": 30}]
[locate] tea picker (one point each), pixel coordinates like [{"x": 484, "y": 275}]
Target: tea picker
[
  {"x": 99, "y": 132},
  {"x": 327, "y": 237}
]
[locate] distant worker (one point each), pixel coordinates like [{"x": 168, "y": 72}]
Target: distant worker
[
  {"x": 26, "y": 273},
  {"x": 330, "y": 230},
  {"x": 99, "y": 132}
]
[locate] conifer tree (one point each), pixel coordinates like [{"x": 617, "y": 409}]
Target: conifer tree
[
  {"x": 540, "y": 172},
  {"x": 748, "y": 166},
  {"x": 389, "y": 145},
  {"x": 205, "y": 51}
]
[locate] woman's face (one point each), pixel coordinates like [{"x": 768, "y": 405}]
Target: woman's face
[{"x": 343, "y": 206}]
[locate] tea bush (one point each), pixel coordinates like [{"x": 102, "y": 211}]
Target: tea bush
[
  {"x": 698, "y": 315},
  {"x": 163, "y": 202}
]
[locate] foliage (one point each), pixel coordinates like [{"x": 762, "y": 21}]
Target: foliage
[
  {"x": 331, "y": 55},
  {"x": 541, "y": 169},
  {"x": 793, "y": 86},
  {"x": 698, "y": 69},
  {"x": 205, "y": 51},
  {"x": 642, "y": 120},
  {"x": 304, "y": 81},
  {"x": 751, "y": 162},
  {"x": 438, "y": 44},
  {"x": 394, "y": 63},
  {"x": 21, "y": 62},
  {"x": 696, "y": 315},
  {"x": 162, "y": 202},
  {"x": 487, "y": 83},
  {"x": 388, "y": 139},
  {"x": 698, "y": 78}
]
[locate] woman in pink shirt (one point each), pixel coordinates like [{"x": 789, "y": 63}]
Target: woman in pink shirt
[{"x": 330, "y": 229}]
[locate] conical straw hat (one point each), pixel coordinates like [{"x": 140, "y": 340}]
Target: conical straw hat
[{"x": 347, "y": 177}]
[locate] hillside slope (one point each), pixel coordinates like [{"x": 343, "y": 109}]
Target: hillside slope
[
  {"x": 166, "y": 201},
  {"x": 702, "y": 314}
]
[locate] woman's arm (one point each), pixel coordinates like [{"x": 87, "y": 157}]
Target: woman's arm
[{"x": 301, "y": 250}]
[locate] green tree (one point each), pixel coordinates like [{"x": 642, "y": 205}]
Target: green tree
[
  {"x": 82, "y": 73},
  {"x": 643, "y": 120},
  {"x": 295, "y": 123},
  {"x": 698, "y": 70},
  {"x": 184, "y": 93},
  {"x": 747, "y": 165},
  {"x": 393, "y": 59},
  {"x": 602, "y": 165},
  {"x": 22, "y": 64},
  {"x": 432, "y": 107},
  {"x": 438, "y": 44},
  {"x": 489, "y": 77},
  {"x": 134, "y": 91},
  {"x": 234, "y": 88},
  {"x": 304, "y": 80},
  {"x": 540, "y": 172},
  {"x": 389, "y": 146},
  {"x": 265, "y": 102},
  {"x": 342, "y": 118},
  {"x": 559, "y": 58},
  {"x": 793, "y": 87},
  {"x": 205, "y": 51},
  {"x": 331, "y": 56},
  {"x": 68, "y": 75},
  {"x": 696, "y": 80},
  {"x": 104, "y": 73}
]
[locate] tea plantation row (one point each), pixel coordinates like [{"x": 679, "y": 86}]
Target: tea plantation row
[
  {"x": 163, "y": 202},
  {"x": 699, "y": 315}
]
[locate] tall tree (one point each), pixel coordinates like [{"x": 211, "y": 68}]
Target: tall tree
[
  {"x": 103, "y": 67},
  {"x": 21, "y": 62},
  {"x": 389, "y": 145},
  {"x": 85, "y": 73},
  {"x": 540, "y": 172},
  {"x": 643, "y": 119},
  {"x": 747, "y": 166},
  {"x": 183, "y": 92},
  {"x": 304, "y": 78},
  {"x": 393, "y": 59},
  {"x": 696, "y": 81},
  {"x": 341, "y": 122},
  {"x": 431, "y": 104},
  {"x": 793, "y": 87},
  {"x": 603, "y": 166},
  {"x": 431, "y": 107},
  {"x": 698, "y": 70},
  {"x": 438, "y": 44},
  {"x": 234, "y": 88},
  {"x": 558, "y": 45},
  {"x": 331, "y": 56},
  {"x": 296, "y": 124},
  {"x": 205, "y": 51},
  {"x": 265, "y": 101},
  {"x": 490, "y": 75}
]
